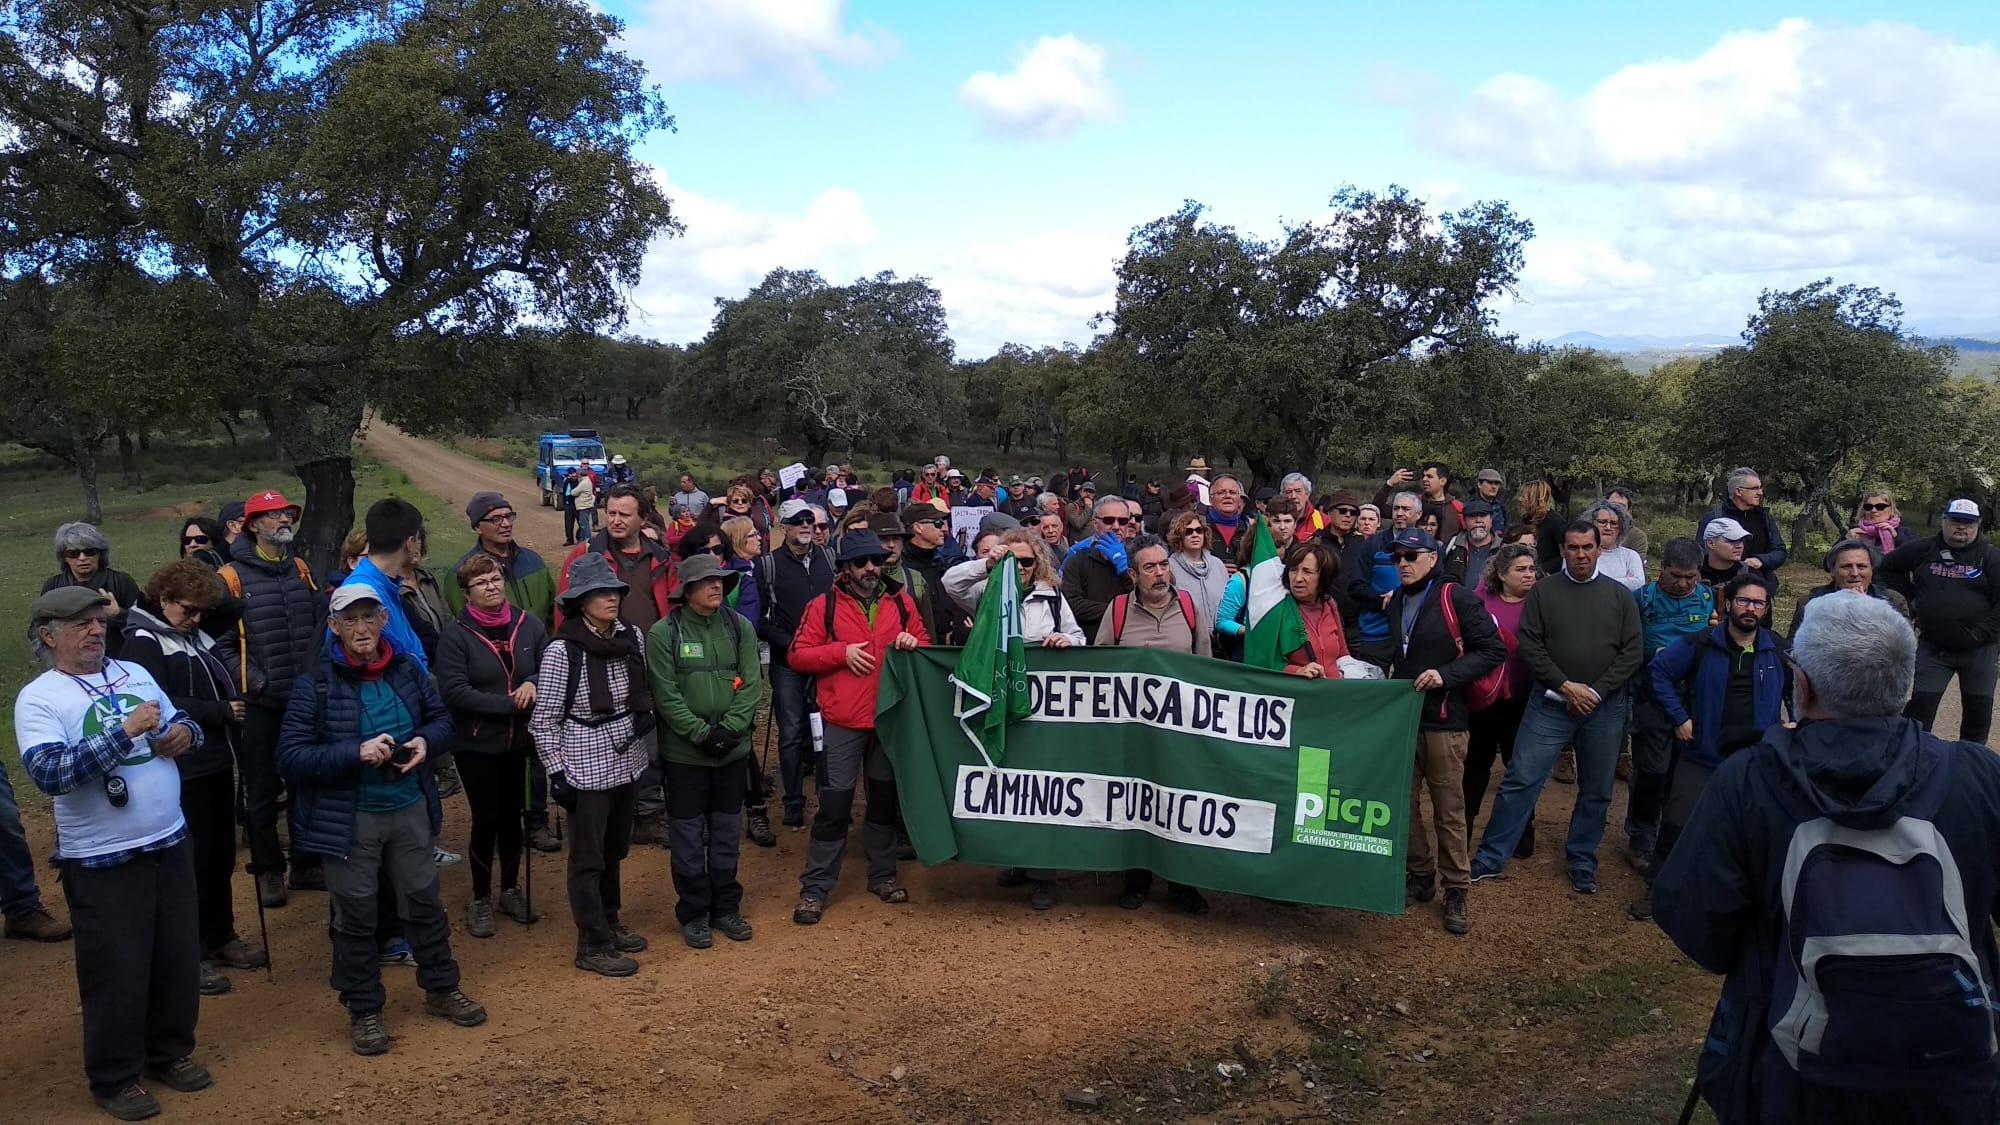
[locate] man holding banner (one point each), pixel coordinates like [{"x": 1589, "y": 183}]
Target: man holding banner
[
  {"x": 843, "y": 637},
  {"x": 1445, "y": 640}
]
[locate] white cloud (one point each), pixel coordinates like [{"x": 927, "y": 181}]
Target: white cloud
[
  {"x": 1058, "y": 84},
  {"x": 1036, "y": 289},
  {"x": 731, "y": 40}
]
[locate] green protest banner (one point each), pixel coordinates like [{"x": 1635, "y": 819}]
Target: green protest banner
[{"x": 1207, "y": 772}]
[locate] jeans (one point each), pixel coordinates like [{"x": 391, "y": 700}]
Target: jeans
[
  {"x": 569, "y": 521},
  {"x": 396, "y": 847},
  {"x": 583, "y": 523},
  {"x": 1976, "y": 671},
  {"x": 705, "y": 874},
  {"x": 1652, "y": 757},
  {"x": 852, "y": 756},
  {"x": 257, "y": 758},
  {"x": 495, "y": 785},
  {"x": 600, "y": 837},
  {"x": 18, "y": 893},
  {"x": 1546, "y": 728},
  {"x": 788, "y": 708},
  {"x": 208, "y": 804},
  {"x": 138, "y": 964}
]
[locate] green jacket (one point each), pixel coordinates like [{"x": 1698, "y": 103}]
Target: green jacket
[
  {"x": 531, "y": 585},
  {"x": 694, "y": 688}
]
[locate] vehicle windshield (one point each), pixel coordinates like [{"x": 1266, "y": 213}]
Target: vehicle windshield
[{"x": 574, "y": 451}]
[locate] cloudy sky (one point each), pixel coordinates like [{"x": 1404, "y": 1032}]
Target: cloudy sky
[{"x": 1674, "y": 160}]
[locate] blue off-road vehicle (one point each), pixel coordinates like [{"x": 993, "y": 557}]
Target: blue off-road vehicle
[{"x": 556, "y": 454}]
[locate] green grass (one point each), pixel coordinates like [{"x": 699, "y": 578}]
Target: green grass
[{"x": 195, "y": 477}]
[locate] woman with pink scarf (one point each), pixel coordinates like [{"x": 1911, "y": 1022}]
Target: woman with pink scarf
[{"x": 1880, "y": 524}]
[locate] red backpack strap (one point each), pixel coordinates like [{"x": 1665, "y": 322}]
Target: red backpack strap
[
  {"x": 1119, "y": 605},
  {"x": 1187, "y": 611},
  {"x": 1451, "y": 616}
]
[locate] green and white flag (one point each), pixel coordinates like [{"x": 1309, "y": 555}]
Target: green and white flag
[
  {"x": 991, "y": 680},
  {"x": 1275, "y": 630}
]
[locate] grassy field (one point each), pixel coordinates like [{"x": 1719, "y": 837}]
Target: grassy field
[{"x": 196, "y": 478}]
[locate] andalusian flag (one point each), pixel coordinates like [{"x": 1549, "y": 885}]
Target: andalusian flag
[
  {"x": 1274, "y": 629},
  {"x": 992, "y": 675}
]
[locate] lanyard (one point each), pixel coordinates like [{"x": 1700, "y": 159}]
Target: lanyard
[
  {"x": 1410, "y": 613},
  {"x": 106, "y": 694}
]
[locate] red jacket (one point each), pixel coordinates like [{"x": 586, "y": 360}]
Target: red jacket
[
  {"x": 848, "y": 700},
  {"x": 665, "y": 577}
]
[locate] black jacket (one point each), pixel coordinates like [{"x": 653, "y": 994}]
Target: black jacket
[
  {"x": 1766, "y": 544},
  {"x": 1954, "y": 593},
  {"x": 278, "y": 636},
  {"x": 1430, "y": 647},
  {"x": 785, "y": 583},
  {"x": 193, "y": 679},
  {"x": 473, "y": 677},
  {"x": 1090, "y": 584},
  {"x": 942, "y": 618}
]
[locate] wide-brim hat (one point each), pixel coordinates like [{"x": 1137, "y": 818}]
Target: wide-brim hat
[
  {"x": 700, "y": 568},
  {"x": 1198, "y": 465},
  {"x": 591, "y": 574},
  {"x": 861, "y": 544}
]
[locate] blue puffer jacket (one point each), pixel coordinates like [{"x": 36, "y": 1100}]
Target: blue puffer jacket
[
  {"x": 1706, "y": 657},
  {"x": 321, "y": 756}
]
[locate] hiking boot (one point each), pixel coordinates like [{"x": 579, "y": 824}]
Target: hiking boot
[
  {"x": 448, "y": 782},
  {"x": 697, "y": 934},
  {"x": 1132, "y": 900},
  {"x": 1640, "y": 859},
  {"x": 183, "y": 1075},
  {"x": 757, "y": 826},
  {"x": 479, "y": 918},
  {"x": 625, "y": 941},
  {"x": 1565, "y": 771},
  {"x": 1457, "y": 912},
  {"x": 271, "y": 890},
  {"x": 906, "y": 852},
  {"x": 367, "y": 1035},
  {"x": 453, "y": 1005},
  {"x": 795, "y": 818},
  {"x": 1188, "y": 900},
  {"x": 1642, "y": 909},
  {"x": 213, "y": 983},
  {"x": 543, "y": 840},
  {"x": 1043, "y": 897},
  {"x": 808, "y": 911},
  {"x": 649, "y": 830},
  {"x": 515, "y": 905},
  {"x": 732, "y": 926},
  {"x": 607, "y": 963},
  {"x": 311, "y": 878},
  {"x": 132, "y": 1103},
  {"x": 239, "y": 954},
  {"x": 37, "y": 925},
  {"x": 1420, "y": 888}
]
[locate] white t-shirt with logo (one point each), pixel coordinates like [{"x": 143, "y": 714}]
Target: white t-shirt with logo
[{"x": 58, "y": 707}]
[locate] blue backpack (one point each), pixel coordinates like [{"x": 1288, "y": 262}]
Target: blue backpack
[{"x": 1877, "y": 985}]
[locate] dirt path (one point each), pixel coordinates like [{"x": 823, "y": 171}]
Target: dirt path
[{"x": 454, "y": 477}]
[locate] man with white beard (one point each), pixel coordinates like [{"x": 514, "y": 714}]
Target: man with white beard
[{"x": 276, "y": 640}]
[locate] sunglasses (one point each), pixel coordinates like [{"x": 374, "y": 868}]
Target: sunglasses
[
  {"x": 716, "y": 550},
  {"x": 867, "y": 561},
  {"x": 930, "y": 523},
  {"x": 194, "y": 540},
  {"x": 798, "y": 520},
  {"x": 82, "y": 553},
  {"x": 1409, "y": 556},
  {"x": 1114, "y": 521},
  {"x": 1342, "y": 511},
  {"x": 1876, "y": 507}
]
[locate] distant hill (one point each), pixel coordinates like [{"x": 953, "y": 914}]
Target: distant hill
[{"x": 1692, "y": 343}]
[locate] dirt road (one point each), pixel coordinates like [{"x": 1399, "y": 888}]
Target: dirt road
[
  {"x": 961, "y": 1006},
  {"x": 454, "y": 477}
]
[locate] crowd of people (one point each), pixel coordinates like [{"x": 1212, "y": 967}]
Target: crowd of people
[{"x": 622, "y": 682}]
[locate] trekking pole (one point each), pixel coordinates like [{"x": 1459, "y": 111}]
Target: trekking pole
[
  {"x": 527, "y": 848},
  {"x": 264, "y": 935}
]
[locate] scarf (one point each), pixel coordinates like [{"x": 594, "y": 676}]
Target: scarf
[
  {"x": 1884, "y": 534},
  {"x": 372, "y": 670},
  {"x": 490, "y": 618},
  {"x": 599, "y": 653}
]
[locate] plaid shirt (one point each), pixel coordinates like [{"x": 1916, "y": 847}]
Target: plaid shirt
[
  {"x": 57, "y": 768},
  {"x": 590, "y": 757}
]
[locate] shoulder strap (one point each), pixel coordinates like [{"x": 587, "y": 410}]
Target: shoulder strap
[
  {"x": 234, "y": 581},
  {"x": 828, "y": 599},
  {"x": 1119, "y": 606},
  {"x": 1451, "y": 616},
  {"x": 1187, "y": 611},
  {"x": 231, "y": 579},
  {"x": 305, "y": 573},
  {"x": 575, "y": 654},
  {"x": 674, "y": 636},
  {"x": 767, "y": 577}
]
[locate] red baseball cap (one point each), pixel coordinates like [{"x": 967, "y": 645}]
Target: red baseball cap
[{"x": 264, "y": 503}]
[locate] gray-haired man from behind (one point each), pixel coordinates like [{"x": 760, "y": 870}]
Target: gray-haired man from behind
[{"x": 1857, "y": 834}]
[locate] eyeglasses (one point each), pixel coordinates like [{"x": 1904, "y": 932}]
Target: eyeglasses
[
  {"x": 820, "y": 525},
  {"x": 1749, "y": 603},
  {"x": 190, "y": 610},
  {"x": 1876, "y": 507},
  {"x": 1346, "y": 511},
  {"x": 82, "y": 553},
  {"x": 194, "y": 540},
  {"x": 500, "y": 517},
  {"x": 1114, "y": 521},
  {"x": 1409, "y": 556}
]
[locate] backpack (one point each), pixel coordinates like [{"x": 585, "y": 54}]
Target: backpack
[
  {"x": 1876, "y": 985},
  {"x": 1122, "y": 604},
  {"x": 898, "y": 599},
  {"x": 1489, "y": 690},
  {"x": 729, "y": 622}
]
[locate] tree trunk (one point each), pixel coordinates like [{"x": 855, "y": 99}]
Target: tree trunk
[
  {"x": 1062, "y": 449},
  {"x": 86, "y": 475},
  {"x": 1263, "y": 471},
  {"x": 1817, "y": 497},
  {"x": 229, "y": 427},
  {"x": 816, "y": 450},
  {"x": 128, "y": 459},
  {"x": 329, "y": 510}
]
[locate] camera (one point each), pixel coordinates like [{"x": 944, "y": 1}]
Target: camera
[{"x": 401, "y": 755}]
